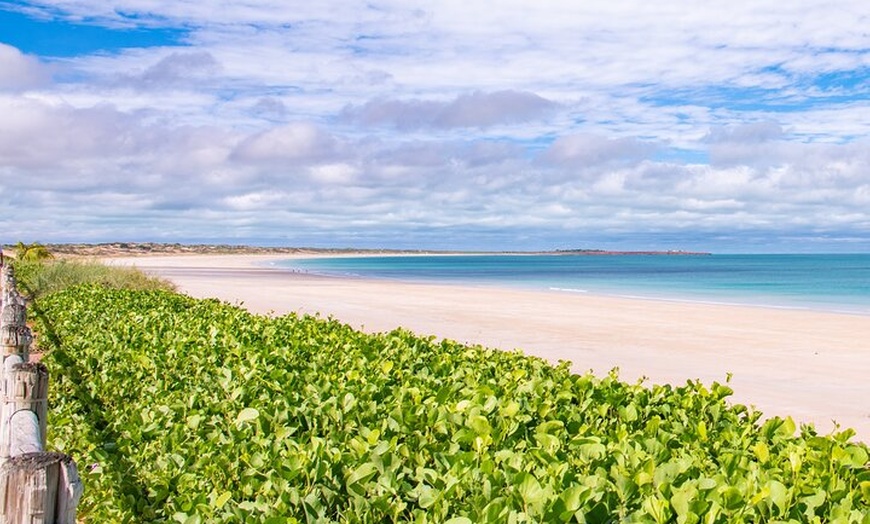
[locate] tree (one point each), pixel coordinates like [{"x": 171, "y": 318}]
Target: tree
[{"x": 32, "y": 252}]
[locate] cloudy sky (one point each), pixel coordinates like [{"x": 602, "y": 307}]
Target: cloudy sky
[{"x": 506, "y": 124}]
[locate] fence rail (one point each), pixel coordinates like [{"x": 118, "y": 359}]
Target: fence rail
[{"x": 36, "y": 486}]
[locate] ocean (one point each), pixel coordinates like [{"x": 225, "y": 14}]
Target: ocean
[{"x": 835, "y": 282}]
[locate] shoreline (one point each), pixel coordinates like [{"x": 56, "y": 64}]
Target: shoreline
[
  {"x": 808, "y": 364},
  {"x": 762, "y": 301}
]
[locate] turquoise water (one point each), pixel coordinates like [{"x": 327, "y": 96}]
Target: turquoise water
[{"x": 820, "y": 282}]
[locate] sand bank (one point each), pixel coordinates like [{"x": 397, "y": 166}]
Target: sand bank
[{"x": 813, "y": 366}]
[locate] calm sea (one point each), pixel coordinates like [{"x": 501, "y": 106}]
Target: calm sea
[{"x": 820, "y": 282}]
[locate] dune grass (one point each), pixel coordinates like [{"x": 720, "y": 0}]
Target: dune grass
[{"x": 41, "y": 277}]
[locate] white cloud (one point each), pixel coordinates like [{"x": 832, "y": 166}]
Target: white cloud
[
  {"x": 747, "y": 133},
  {"x": 39, "y": 135},
  {"x": 254, "y": 201},
  {"x": 476, "y": 109},
  {"x": 334, "y": 174},
  {"x": 586, "y": 150},
  {"x": 290, "y": 143},
  {"x": 19, "y": 71}
]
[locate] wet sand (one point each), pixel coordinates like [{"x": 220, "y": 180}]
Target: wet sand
[{"x": 813, "y": 366}]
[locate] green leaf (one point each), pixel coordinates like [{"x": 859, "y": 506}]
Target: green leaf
[
  {"x": 865, "y": 491},
  {"x": 479, "y": 424},
  {"x": 247, "y": 415},
  {"x": 681, "y": 501},
  {"x": 510, "y": 409},
  {"x": 550, "y": 427},
  {"x": 362, "y": 473},
  {"x": 530, "y": 489},
  {"x": 628, "y": 412},
  {"x": 548, "y": 443},
  {"x": 706, "y": 483},
  {"x": 248, "y": 506},
  {"x": 814, "y": 501},
  {"x": 657, "y": 508},
  {"x": 427, "y": 497},
  {"x": 193, "y": 421},
  {"x": 762, "y": 452},
  {"x": 222, "y": 499},
  {"x": 787, "y": 428},
  {"x": 494, "y": 512},
  {"x": 574, "y": 497},
  {"x": 702, "y": 431},
  {"x": 779, "y": 495},
  {"x": 855, "y": 457}
]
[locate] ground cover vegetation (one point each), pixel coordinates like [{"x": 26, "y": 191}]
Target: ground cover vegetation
[{"x": 185, "y": 410}]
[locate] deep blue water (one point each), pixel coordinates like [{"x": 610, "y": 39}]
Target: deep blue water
[{"x": 821, "y": 282}]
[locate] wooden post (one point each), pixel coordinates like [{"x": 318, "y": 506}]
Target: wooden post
[
  {"x": 15, "y": 336},
  {"x": 14, "y": 313},
  {"x": 42, "y": 488},
  {"x": 15, "y": 340},
  {"x": 8, "y": 280},
  {"x": 26, "y": 391},
  {"x": 8, "y": 284}
]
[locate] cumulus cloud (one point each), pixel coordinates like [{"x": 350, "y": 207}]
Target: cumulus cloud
[
  {"x": 746, "y": 144},
  {"x": 585, "y": 150},
  {"x": 61, "y": 157},
  {"x": 38, "y": 135},
  {"x": 766, "y": 146},
  {"x": 476, "y": 109},
  {"x": 19, "y": 71},
  {"x": 292, "y": 143},
  {"x": 35, "y": 134}
]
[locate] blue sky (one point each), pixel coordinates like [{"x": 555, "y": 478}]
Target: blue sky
[
  {"x": 451, "y": 125},
  {"x": 52, "y": 36}
]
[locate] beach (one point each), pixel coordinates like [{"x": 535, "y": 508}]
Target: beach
[{"x": 812, "y": 366}]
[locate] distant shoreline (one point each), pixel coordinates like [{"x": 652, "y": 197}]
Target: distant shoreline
[
  {"x": 128, "y": 249},
  {"x": 603, "y": 252}
]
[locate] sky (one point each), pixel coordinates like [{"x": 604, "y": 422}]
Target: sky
[{"x": 724, "y": 126}]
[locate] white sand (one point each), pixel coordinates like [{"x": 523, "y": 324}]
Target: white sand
[{"x": 813, "y": 366}]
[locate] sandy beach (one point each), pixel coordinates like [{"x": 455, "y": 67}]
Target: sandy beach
[{"x": 813, "y": 366}]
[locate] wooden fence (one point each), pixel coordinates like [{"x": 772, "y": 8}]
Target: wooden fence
[{"x": 36, "y": 486}]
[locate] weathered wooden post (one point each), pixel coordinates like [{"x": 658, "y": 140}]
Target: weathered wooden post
[
  {"x": 15, "y": 336},
  {"x": 26, "y": 408},
  {"x": 40, "y": 488},
  {"x": 35, "y": 486}
]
